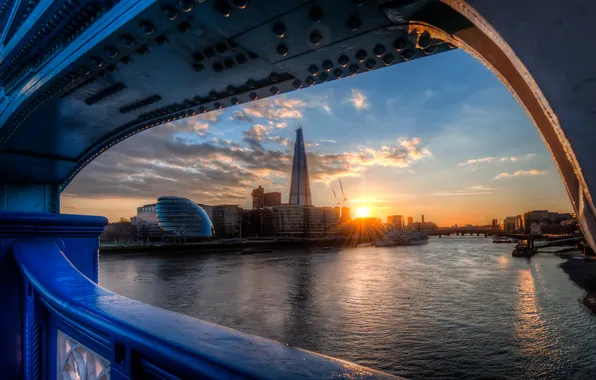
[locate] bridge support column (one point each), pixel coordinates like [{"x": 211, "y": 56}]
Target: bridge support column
[
  {"x": 30, "y": 198},
  {"x": 78, "y": 238}
]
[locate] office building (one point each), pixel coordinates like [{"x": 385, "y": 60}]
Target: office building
[
  {"x": 314, "y": 221},
  {"x": 345, "y": 215},
  {"x": 252, "y": 223},
  {"x": 422, "y": 218},
  {"x": 396, "y": 221},
  {"x": 287, "y": 220},
  {"x": 331, "y": 221},
  {"x": 410, "y": 222},
  {"x": 181, "y": 217},
  {"x": 300, "y": 185},
  {"x": 145, "y": 223},
  {"x": 272, "y": 199},
  {"x": 258, "y": 198},
  {"x": 509, "y": 224},
  {"x": 227, "y": 221},
  {"x": 535, "y": 217}
]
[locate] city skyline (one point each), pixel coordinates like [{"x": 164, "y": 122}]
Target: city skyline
[{"x": 447, "y": 140}]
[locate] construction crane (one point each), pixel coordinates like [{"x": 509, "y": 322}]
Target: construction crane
[
  {"x": 337, "y": 203},
  {"x": 342, "y": 192}
]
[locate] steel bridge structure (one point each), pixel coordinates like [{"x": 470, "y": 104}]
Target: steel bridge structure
[{"x": 79, "y": 76}]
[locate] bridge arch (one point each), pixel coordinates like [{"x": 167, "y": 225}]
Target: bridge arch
[{"x": 78, "y": 77}]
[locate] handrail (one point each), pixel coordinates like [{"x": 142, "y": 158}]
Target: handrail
[{"x": 173, "y": 341}]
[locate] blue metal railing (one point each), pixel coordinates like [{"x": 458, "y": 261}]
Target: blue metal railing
[{"x": 68, "y": 313}]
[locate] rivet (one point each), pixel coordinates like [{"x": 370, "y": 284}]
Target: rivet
[
  {"x": 343, "y": 60},
  {"x": 338, "y": 73},
  {"x": 274, "y": 77},
  {"x": 241, "y": 59},
  {"x": 143, "y": 50},
  {"x": 253, "y": 96},
  {"x": 198, "y": 57},
  {"x": 400, "y": 43},
  {"x": 162, "y": 40},
  {"x": 234, "y": 100},
  {"x": 323, "y": 77},
  {"x": 213, "y": 94},
  {"x": 102, "y": 74},
  {"x": 282, "y": 49},
  {"x": 184, "y": 27},
  {"x": 327, "y": 65},
  {"x": 388, "y": 59},
  {"x": 209, "y": 52},
  {"x": 201, "y": 109},
  {"x": 379, "y": 50},
  {"x": 279, "y": 29},
  {"x": 221, "y": 48},
  {"x": 297, "y": 83},
  {"x": 240, "y": 3},
  {"x": 274, "y": 90},
  {"x": 315, "y": 37},
  {"x": 231, "y": 90},
  {"x": 313, "y": 69},
  {"x": 111, "y": 68},
  {"x": 111, "y": 51},
  {"x": 198, "y": 67},
  {"x": 316, "y": 14},
  {"x": 361, "y": 55},
  {"x": 187, "y": 5},
  {"x": 217, "y": 105},
  {"x": 354, "y": 68},
  {"x": 84, "y": 70},
  {"x": 354, "y": 23},
  {"x": 170, "y": 12},
  {"x": 147, "y": 27},
  {"x": 96, "y": 61},
  {"x": 126, "y": 60},
  {"x": 128, "y": 40},
  {"x": 370, "y": 64},
  {"x": 407, "y": 54},
  {"x": 229, "y": 63},
  {"x": 223, "y": 8},
  {"x": 251, "y": 83}
]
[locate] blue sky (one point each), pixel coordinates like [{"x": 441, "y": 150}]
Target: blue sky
[{"x": 439, "y": 136}]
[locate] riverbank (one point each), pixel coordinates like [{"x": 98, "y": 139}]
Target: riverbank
[
  {"x": 228, "y": 246},
  {"x": 582, "y": 271}
]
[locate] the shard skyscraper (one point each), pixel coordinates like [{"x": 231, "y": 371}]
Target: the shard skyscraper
[{"x": 300, "y": 187}]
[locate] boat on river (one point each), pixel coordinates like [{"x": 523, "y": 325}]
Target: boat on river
[
  {"x": 398, "y": 238},
  {"x": 504, "y": 240}
]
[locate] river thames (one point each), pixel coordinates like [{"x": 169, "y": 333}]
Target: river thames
[{"x": 458, "y": 307}]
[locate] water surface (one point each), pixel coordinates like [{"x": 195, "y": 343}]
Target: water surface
[{"x": 458, "y": 307}]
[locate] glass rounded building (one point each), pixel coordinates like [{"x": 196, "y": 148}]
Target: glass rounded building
[{"x": 177, "y": 216}]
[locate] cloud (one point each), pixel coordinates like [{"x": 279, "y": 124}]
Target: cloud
[
  {"x": 258, "y": 133},
  {"x": 328, "y": 141},
  {"x": 487, "y": 160},
  {"x": 477, "y": 161},
  {"x": 521, "y": 173},
  {"x": 359, "y": 100},
  {"x": 472, "y": 190},
  {"x": 517, "y": 158}
]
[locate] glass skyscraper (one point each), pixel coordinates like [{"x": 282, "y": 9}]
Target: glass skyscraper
[
  {"x": 177, "y": 216},
  {"x": 300, "y": 185}
]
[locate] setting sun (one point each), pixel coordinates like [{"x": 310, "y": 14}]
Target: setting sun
[{"x": 363, "y": 212}]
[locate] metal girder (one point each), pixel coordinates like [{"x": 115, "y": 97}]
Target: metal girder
[{"x": 70, "y": 93}]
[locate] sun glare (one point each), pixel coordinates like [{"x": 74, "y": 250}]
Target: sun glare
[{"x": 363, "y": 212}]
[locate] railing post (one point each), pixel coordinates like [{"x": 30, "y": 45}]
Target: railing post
[{"x": 23, "y": 326}]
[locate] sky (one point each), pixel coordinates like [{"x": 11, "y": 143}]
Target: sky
[{"x": 439, "y": 136}]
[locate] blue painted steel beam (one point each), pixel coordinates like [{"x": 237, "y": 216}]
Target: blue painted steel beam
[{"x": 157, "y": 340}]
